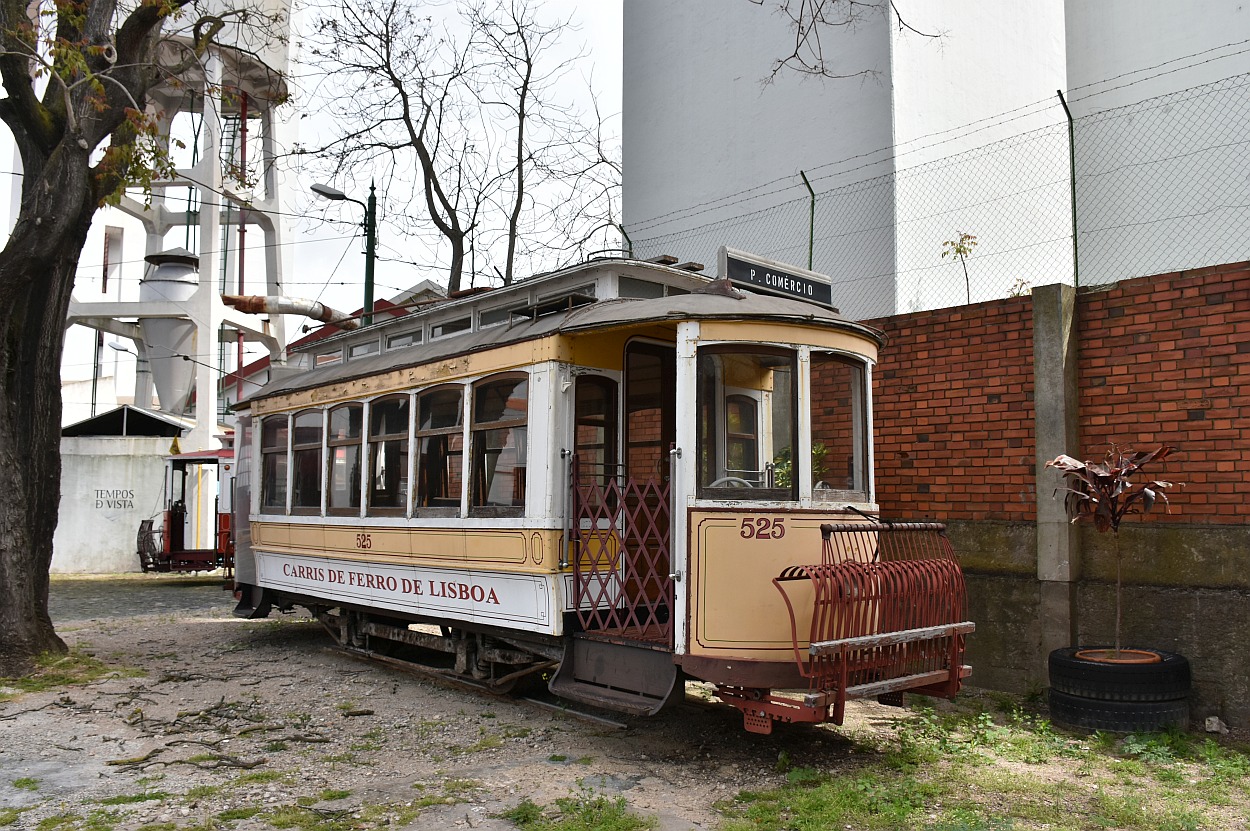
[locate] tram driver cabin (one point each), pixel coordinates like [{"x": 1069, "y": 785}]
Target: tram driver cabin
[{"x": 615, "y": 477}]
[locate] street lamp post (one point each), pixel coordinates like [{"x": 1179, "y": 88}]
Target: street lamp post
[{"x": 371, "y": 237}]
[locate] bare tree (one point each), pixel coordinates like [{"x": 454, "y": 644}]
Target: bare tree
[
  {"x": 810, "y": 20},
  {"x": 462, "y": 114},
  {"x": 77, "y": 79}
]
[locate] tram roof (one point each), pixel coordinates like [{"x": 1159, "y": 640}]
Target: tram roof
[{"x": 602, "y": 315}]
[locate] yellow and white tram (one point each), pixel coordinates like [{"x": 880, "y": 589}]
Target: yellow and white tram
[{"x": 620, "y": 475}]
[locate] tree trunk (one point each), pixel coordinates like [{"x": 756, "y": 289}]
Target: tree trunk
[{"x": 37, "y": 269}]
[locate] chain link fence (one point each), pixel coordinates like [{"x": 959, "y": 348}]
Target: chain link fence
[{"x": 1160, "y": 186}]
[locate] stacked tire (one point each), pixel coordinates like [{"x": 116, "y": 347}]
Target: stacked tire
[{"x": 1119, "y": 698}]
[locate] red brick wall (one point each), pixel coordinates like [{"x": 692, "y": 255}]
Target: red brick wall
[
  {"x": 953, "y": 410},
  {"x": 1163, "y": 359},
  {"x": 1166, "y": 360}
]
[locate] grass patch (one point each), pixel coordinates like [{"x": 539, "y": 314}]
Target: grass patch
[
  {"x": 74, "y": 668},
  {"x": 452, "y": 791},
  {"x": 201, "y": 792},
  {"x": 371, "y": 741},
  {"x": 26, "y": 783},
  {"x": 8, "y": 816},
  {"x": 583, "y": 811},
  {"x": 490, "y": 741},
  {"x": 371, "y": 816},
  {"x": 971, "y": 767},
  {"x": 130, "y": 799},
  {"x": 237, "y": 813},
  {"x": 259, "y": 777}
]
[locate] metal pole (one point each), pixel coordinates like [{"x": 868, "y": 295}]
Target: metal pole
[
  {"x": 1076, "y": 272},
  {"x": 629, "y": 244},
  {"x": 811, "y": 220},
  {"x": 238, "y": 361},
  {"x": 371, "y": 234},
  {"x": 95, "y": 372}
]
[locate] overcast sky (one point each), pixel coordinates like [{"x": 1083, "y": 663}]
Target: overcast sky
[{"x": 327, "y": 250}]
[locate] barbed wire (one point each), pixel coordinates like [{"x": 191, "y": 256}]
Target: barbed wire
[{"x": 1160, "y": 186}]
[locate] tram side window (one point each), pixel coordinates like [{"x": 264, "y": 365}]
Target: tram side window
[
  {"x": 746, "y": 412},
  {"x": 306, "y": 462},
  {"x": 839, "y": 428},
  {"x": 440, "y": 451},
  {"x": 500, "y": 412},
  {"x": 388, "y": 455},
  {"x": 273, "y": 450},
  {"x": 345, "y": 451}
]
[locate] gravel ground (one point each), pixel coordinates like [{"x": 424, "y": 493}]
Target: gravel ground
[{"x": 208, "y": 714}]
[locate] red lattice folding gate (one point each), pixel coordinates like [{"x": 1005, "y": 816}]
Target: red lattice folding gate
[{"x": 621, "y": 542}]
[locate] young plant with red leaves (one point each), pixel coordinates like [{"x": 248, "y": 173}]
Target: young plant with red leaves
[{"x": 1106, "y": 492}]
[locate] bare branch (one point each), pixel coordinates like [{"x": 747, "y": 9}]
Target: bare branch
[{"x": 810, "y": 20}]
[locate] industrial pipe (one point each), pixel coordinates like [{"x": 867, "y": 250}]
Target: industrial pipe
[{"x": 255, "y": 304}]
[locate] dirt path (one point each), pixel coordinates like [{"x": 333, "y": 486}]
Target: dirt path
[{"x": 225, "y": 715}]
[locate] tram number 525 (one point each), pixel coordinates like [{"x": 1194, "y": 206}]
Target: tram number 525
[
  {"x": 762, "y": 528},
  {"x": 364, "y": 541}
]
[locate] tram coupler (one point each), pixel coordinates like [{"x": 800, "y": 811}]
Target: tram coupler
[{"x": 761, "y": 709}]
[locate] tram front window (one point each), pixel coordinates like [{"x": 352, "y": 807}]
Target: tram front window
[
  {"x": 746, "y": 412},
  {"x": 839, "y": 429}
]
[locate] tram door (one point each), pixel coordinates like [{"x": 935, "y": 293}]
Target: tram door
[{"x": 622, "y": 508}]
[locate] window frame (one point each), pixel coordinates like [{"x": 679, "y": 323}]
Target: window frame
[
  {"x": 717, "y": 454},
  {"x": 296, "y": 449},
  {"x": 373, "y": 441},
  {"x": 281, "y": 451},
  {"x": 861, "y": 426},
  {"x": 477, "y": 433},
  {"x": 419, "y": 434},
  {"x": 332, "y": 444}
]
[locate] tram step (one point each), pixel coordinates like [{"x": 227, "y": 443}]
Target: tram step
[{"x": 620, "y": 677}]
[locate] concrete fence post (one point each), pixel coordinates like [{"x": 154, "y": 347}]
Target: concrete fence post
[{"x": 1055, "y": 399}]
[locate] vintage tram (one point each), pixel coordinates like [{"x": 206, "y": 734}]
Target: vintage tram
[
  {"x": 172, "y": 547},
  {"x": 617, "y": 476}
]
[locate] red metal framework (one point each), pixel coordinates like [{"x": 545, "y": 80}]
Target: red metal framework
[
  {"x": 621, "y": 539},
  {"x": 888, "y": 614}
]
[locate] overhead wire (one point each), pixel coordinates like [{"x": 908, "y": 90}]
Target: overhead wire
[{"x": 988, "y": 122}]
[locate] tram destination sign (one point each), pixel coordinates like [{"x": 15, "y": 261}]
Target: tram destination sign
[{"x": 764, "y": 275}]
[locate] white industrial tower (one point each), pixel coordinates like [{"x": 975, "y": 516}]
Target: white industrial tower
[{"x": 196, "y": 226}]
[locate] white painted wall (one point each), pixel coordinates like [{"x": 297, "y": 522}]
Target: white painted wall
[
  {"x": 1157, "y": 191},
  {"x": 1121, "y": 51},
  {"x": 950, "y": 97},
  {"x": 706, "y": 140},
  {"x": 108, "y": 486}
]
